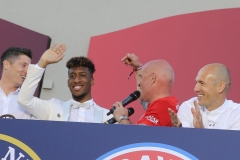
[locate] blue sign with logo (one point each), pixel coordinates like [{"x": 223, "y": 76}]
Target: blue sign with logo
[
  {"x": 147, "y": 151},
  {"x": 33, "y": 140}
]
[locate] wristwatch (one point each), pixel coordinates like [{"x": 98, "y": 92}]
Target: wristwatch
[{"x": 121, "y": 118}]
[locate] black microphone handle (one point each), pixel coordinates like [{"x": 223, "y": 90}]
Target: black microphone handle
[
  {"x": 113, "y": 120},
  {"x": 124, "y": 103},
  {"x": 127, "y": 101},
  {"x": 111, "y": 111}
]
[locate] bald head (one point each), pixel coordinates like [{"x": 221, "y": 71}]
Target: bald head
[
  {"x": 212, "y": 84},
  {"x": 162, "y": 69},
  {"x": 157, "y": 80},
  {"x": 219, "y": 72}
]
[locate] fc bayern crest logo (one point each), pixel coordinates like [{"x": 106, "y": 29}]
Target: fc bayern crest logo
[{"x": 147, "y": 151}]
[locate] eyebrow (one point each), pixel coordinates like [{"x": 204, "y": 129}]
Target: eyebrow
[
  {"x": 77, "y": 72},
  {"x": 198, "y": 80}
]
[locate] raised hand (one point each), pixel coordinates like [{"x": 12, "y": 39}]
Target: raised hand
[
  {"x": 53, "y": 55},
  {"x": 131, "y": 60},
  {"x": 174, "y": 119},
  {"x": 197, "y": 117}
]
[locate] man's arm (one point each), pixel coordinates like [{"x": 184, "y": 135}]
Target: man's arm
[
  {"x": 37, "y": 107},
  {"x": 133, "y": 61}
]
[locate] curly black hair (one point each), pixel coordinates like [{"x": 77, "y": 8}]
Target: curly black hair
[
  {"x": 81, "y": 61},
  {"x": 12, "y": 53}
]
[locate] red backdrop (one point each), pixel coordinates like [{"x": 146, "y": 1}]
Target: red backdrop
[{"x": 187, "y": 42}]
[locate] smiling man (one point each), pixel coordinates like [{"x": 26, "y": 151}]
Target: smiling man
[
  {"x": 81, "y": 108},
  {"x": 210, "y": 109},
  {"x": 14, "y": 64}
]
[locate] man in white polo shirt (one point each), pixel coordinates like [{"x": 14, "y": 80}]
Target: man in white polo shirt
[
  {"x": 210, "y": 109},
  {"x": 14, "y": 65}
]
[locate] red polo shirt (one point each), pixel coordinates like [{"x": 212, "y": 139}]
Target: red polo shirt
[{"x": 157, "y": 112}]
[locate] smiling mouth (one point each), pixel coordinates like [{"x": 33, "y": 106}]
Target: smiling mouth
[
  {"x": 77, "y": 88},
  {"x": 23, "y": 77},
  {"x": 200, "y": 96}
]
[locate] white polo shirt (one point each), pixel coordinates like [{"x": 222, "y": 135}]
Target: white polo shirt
[
  {"x": 226, "y": 116},
  {"x": 9, "y": 105}
]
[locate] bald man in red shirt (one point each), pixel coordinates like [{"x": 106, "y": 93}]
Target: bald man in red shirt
[{"x": 154, "y": 81}]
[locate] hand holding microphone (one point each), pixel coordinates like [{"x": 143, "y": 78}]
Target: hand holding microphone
[
  {"x": 113, "y": 120},
  {"x": 132, "y": 97},
  {"x": 121, "y": 114}
]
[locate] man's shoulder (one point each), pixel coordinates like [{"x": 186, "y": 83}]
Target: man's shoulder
[
  {"x": 58, "y": 101},
  {"x": 188, "y": 103},
  {"x": 99, "y": 107},
  {"x": 191, "y": 100},
  {"x": 184, "y": 110},
  {"x": 162, "y": 104},
  {"x": 233, "y": 111},
  {"x": 233, "y": 106},
  {"x": 168, "y": 99}
]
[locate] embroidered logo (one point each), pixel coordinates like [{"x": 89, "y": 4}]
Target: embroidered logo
[{"x": 152, "y": 119}]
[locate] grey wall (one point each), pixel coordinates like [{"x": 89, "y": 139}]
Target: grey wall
[{"x": 73, "y": 22}]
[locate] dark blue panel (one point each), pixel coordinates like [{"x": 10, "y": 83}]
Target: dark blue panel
[{"x": 87, "y": 141}]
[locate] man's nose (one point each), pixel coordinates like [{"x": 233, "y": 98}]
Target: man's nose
[
  {"x": 197, "y": 87},
  {"x": 77, "y": 79},
  {"x": 25, "y": 70}
]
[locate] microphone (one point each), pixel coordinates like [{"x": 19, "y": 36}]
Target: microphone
[
  {"x": 132, "y": 97},
  {"x": 113, "y": 120}
]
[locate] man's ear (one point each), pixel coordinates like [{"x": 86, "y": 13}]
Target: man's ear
[
  {"x": 153, "y": 78},
  {"x": 221, "y": 87},
  {"x": 6, "y": 64},
  {"x": 92, "y": 81}
]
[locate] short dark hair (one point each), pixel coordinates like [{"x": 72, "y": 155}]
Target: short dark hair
[
  {"x": 12, "y": 53},
  {"x": 81, "y": 61}
]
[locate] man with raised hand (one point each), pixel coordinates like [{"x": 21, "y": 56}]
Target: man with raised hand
[
  {"x": 210, "y": 109},
  {"x": 81, "y": 108},
  {"x": 154, "y": 81}
]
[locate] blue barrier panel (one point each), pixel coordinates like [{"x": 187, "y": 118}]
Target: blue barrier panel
[{"x": 29, "y": 139}]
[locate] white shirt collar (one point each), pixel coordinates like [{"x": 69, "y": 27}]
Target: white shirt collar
[{"x": 17, "y": 90}]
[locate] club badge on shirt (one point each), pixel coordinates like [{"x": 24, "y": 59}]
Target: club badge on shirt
[{"x": 152, "y": 119}]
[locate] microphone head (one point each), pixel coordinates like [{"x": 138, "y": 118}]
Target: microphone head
[
  {"x": 130, "y": 111},
  {"x": 135, "y": 95}
]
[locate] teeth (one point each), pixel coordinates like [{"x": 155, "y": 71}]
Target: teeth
[
  {"x": 200, "y": 95},
  {"x": 77, "y": 87}
]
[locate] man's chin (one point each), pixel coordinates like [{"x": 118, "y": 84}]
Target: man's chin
[
  {"x": 200, "y": 103},
  {"x": 19, "y": 84},
  {"x": 141, "y": 99},
  {"x": 77, "y": 95}
]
